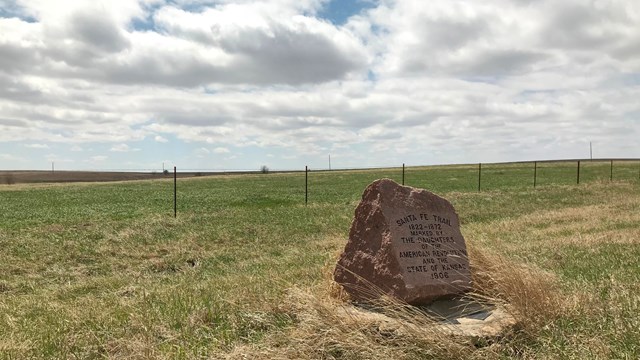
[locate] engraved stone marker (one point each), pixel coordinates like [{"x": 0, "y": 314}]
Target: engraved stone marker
[{"x": 406, "y": 242}]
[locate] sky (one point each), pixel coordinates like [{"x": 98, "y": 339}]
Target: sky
[{"x": 235, "y": 85}]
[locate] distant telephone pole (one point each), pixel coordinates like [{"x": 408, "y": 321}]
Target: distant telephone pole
[
  {"x": 329, "y": 161},
  {"x": 52, "y": 168},
  {"x": 590, "y": 151}
]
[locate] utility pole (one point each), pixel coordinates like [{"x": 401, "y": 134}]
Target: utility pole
[
  {"x": 52, "y": 167},
  {"x": 590, "y": 151},
  {"x": 329, "y": 161}
]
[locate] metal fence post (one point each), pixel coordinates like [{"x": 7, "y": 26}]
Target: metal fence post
[
  {"x": 611, "y": 172},
  {"x": 535, "y": 173},
  {"x": 402, "y": 174},
  {"x": 479, "y": 174},
  {"x": 175, "y": 193},
  {"x": 578, "y": 176},
  {"x": 306, "y": 184}
]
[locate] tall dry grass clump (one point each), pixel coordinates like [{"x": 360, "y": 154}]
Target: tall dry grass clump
[{"x": 533, "y": 296}]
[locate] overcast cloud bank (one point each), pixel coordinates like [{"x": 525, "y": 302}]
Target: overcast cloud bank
[{"x": 235, "y": 84}]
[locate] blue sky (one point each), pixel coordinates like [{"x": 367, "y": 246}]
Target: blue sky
[
  {"x": 339, "y": 11},
  {"x": 220, "y": 84}
]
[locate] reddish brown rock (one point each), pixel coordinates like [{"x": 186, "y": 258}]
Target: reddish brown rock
[{"x": 404, "y": 242}]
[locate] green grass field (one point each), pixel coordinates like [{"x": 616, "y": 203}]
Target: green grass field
[{"x": 105, "y": 271}]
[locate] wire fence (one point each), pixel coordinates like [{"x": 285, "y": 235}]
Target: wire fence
[
  {"x": 482, "y": 177},
  {"x": 323, "y": 186}
]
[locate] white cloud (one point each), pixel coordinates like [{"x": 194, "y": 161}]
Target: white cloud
[
  {"x": 98, "y": 158},
  {"x": 221, "y": 150},
  {"x": 202, "y": 152},
  {"x": 123, "y": 148},
  {"x": 76, "y": 148},
  {"x": 498, "y": 38},
  {"x": 37, "y": 146},
  {"x": 58, "y": 159},
  {"x": 120, "y": 148},
  {"x": 10, "y": 157},
  {"x": 238, "y": 43},
  {"x": 248, "y": 43},
  {"x": 160, "y": 139}
]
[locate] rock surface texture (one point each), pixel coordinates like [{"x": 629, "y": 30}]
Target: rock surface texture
[{"x": 406, "y": 243}]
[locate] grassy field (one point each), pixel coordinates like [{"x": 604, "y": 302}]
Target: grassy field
[{"x": 105, "y": 271}]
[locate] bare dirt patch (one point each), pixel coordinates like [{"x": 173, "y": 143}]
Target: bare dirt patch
[{"x": 31, "y": 177}]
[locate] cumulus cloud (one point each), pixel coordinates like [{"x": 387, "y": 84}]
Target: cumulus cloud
[
  {"x": 499, "y": 37},
  {"x": 10, "y": 157},
  {"x": 123, "y": 148},
  {"x": 37, "y": 146},
  {"x": 98, "y": 158},
  {"x": 221, "y": 150},
  {"x": 58, "y": 158},
  {"x": 245, "y": 43},
  {"x": 202, "y": 153}
]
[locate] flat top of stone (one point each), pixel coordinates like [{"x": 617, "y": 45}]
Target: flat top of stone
[{"x": 406, "y": 242}]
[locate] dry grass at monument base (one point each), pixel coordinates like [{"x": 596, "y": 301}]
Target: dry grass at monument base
[
  {"x": 104, "y": 271},
  {"x": 327, "y": 327}
]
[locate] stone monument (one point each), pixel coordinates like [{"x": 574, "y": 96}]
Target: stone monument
[{"x": 406, "y": 243}]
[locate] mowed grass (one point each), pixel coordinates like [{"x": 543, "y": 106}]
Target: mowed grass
[{"x": 105, "y": 271}]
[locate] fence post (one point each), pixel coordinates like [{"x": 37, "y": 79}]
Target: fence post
[
  {"x": 578, "y": 176},
  {"x": 479, "y": 174},
  {"x": 306, "y": 184},
  {"x": 175, "y": 193},
  {"x": 535, "y": 173},
  {"x": 611, "y": 172},
  {"x": 402, "y": 174}
]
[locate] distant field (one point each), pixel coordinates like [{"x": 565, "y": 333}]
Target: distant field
[
  {"x": 105, "y": 271},
  {"x": 447, "y": 177},
  {"x": 22, "y": 177}
]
